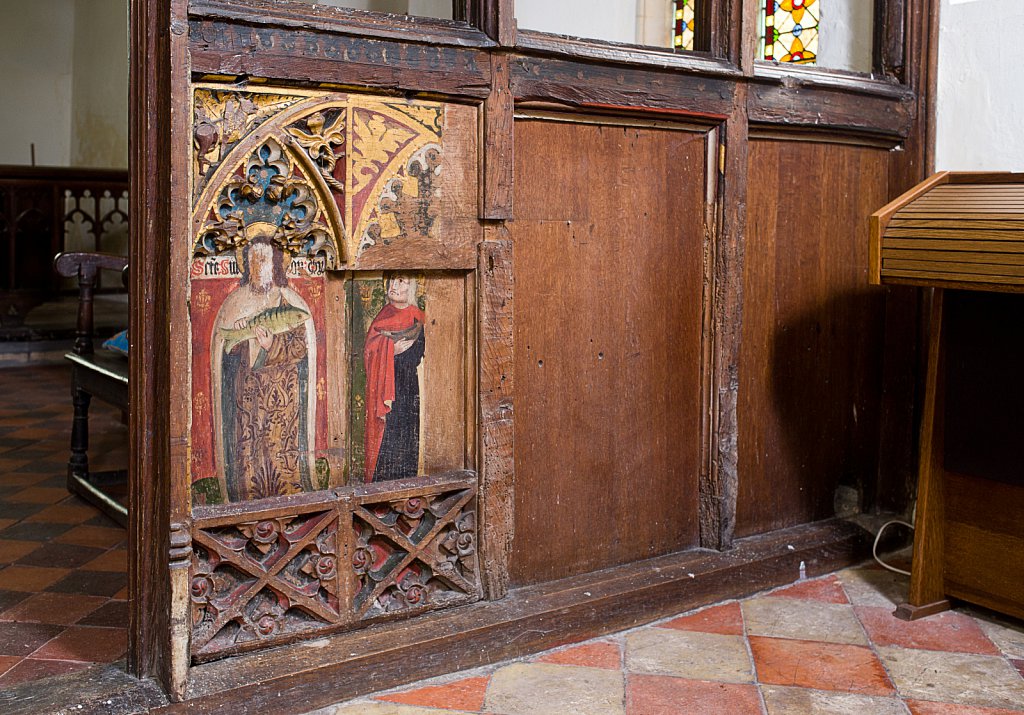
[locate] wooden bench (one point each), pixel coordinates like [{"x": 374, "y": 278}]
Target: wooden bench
[{"x": 102, "y": 374}]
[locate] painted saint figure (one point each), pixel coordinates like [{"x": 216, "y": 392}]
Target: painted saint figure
[
  {"x": 393, "y": 352},
  {"x": 264, "y": 363}
]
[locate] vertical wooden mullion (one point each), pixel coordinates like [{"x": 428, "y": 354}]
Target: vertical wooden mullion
[
  {"x": 495, "y": 19},
  {"x": 497, "y": 505},
  {"x": 497, "y": 146},
  {"x": 150, "y": 172},
  {"x": 719, "y": 483}
]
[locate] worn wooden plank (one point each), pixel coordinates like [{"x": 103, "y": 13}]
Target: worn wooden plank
[
  {"x": 321, "y": 16},
  {"x": 967, "y": 233},
  {"x": 609, "y": 301},
  {"x": 942, "y": 277},
  {"x": 921, "y": 263},
  {"x": 527, "y": 620},
  {"x": 800, "y": 98},
  {"x": 496, "y": 370},
  {"x": 923, "y": 244},
  {"x": 498, "y": 139},
  {"x": 957, "y": 256},
  {"x": 310, "y": 55},
  {"x": 582, "y": 84}
]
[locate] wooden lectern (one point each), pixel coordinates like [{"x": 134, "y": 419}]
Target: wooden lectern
[{"x": 965, "y": 232}]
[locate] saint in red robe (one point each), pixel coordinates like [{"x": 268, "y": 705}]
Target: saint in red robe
[{"x": 392, "y": 393}]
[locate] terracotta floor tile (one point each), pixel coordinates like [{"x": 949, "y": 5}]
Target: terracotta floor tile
[
  {"x": 944, "y": 631},
  {"x": 99, "y": 536},
  {"x": 726, "y": 619},
  {"x": 13, "y": 549},
  {"x": 595, "y": 655},
  {"x": 30, "y": 669},
  {"x": 802, "y": 620},
  {"x": 30, "y": 578},
  {"x": 826, "y": 590},
  {"x": 780, "y": 700},
  {"x": 85, "y": 643},
  {"x": 687, "y": 654},
  {"x": 664, "y": 695},
  {"x": 65, "y": 556},
  {"x": 113, "y": 560},
  {"x": 379, "y": 708},
  {"x": 112, "y": 614},
  {"x": 1019, "y": 665},
  {"x": 923, "y": 707},
  {"x": 64, "y": 513},
  {"x": 39, "y": 495},
  {"x": 92, "y": 583},
  {"x": 961, "y": 678},
  {"x": 467, "y": 694},
  {"x": 56, "y": 608},
  {"x": 22, "y": 639},
  {"x": 822, "y": 666},
  {"x": 546, "y": 689},
  {"x": 4, "y": 523},
  {"x": 7, "y": 662}
]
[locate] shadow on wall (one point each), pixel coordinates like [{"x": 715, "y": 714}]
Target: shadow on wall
[{"x": 826, "y": 369}]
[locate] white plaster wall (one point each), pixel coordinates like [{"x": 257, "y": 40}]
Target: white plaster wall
[
  {"x": 36, "y": 82},
  {"x": 980, "y": 98},
  {"x": 99, "y": 98},
  {"x": 613, "y": 20},
  {"x": 845, "y": 35}
]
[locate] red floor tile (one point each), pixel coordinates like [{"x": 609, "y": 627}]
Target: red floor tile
[
  {"x": 31, "y": 669},
  {"x": 13, "y": 549},
  {"x": 949, "y": 631},
  {"x": 112, "y": 614},
  {"x": 99, "y": 536},
  {"x": 84, "y": 643},
  {"x": 113, "y": 560},
  {"x": 30, "y": 578},
  {"x": 726, "y": 619},
  {"x": 827, "y": 590},
  {"x": 921, "y": 707},
  {"x": 664, "y": 695},
  {"x": 56, "y": 608},
  {"x": 465, "y": 694},
  {"x": 39, "y": 495},
  {"x": 1019, "y": 665},
  {"x": 64, "y": 513},
  {"x": 7, "y": 662},
  {"x": 593, "y": 655},
  {"x": 823, "y": 666}
]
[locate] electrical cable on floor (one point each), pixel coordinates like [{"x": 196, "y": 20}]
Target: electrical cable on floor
[{"x": 874, "y": 548}]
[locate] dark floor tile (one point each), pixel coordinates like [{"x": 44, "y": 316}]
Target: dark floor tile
[
  {"x": 60, "y": 556},
  {"x": 11, "y": 598},
  {"x": 18, "y": 510},
  {"x": 102, "y": 520},
  {"x": 92, "y": 583},
  {"x": 34, "y": 531},
  {"x": 24, "y": 638},
  {"x": 113, "y": 614}
]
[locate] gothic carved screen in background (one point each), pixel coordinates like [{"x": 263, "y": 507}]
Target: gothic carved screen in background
[{"x": 331, "y": 345}]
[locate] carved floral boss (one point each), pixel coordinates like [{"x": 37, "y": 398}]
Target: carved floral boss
[{"x": 273, "y": 576}]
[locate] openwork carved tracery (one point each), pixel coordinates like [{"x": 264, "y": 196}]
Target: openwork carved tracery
[
  {"x": 259, "y": 580},
  {"x": 416, "y": 552},
  {"x": 337, "y": 560}
]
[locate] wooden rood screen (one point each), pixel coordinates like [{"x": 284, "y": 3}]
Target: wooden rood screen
[{"x": 443, "y": 329}]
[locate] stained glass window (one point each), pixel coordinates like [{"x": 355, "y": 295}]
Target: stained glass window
[
  {"x": 789, "y": 31},
  {"x": 682, "y": 34}
]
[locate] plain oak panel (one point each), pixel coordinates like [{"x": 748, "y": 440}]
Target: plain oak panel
[{"x": 607, "y": 252}]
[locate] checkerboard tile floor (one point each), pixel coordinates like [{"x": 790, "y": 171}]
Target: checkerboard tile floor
[
  {"x": 63, "y": 587},
  {"x": 827, "y": 646}
]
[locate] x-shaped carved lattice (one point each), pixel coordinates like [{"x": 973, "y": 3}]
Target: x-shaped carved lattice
[
  {"x": 265, "y": 574},
  {"x": 450, "y": 513}
]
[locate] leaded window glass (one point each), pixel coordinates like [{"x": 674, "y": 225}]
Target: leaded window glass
[
  {"x": 682, "y": 34},
  {"x": 789, "y": 31}
]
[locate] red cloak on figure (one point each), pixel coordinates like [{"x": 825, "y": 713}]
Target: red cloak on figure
[{"x": 379, "y": 359}]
